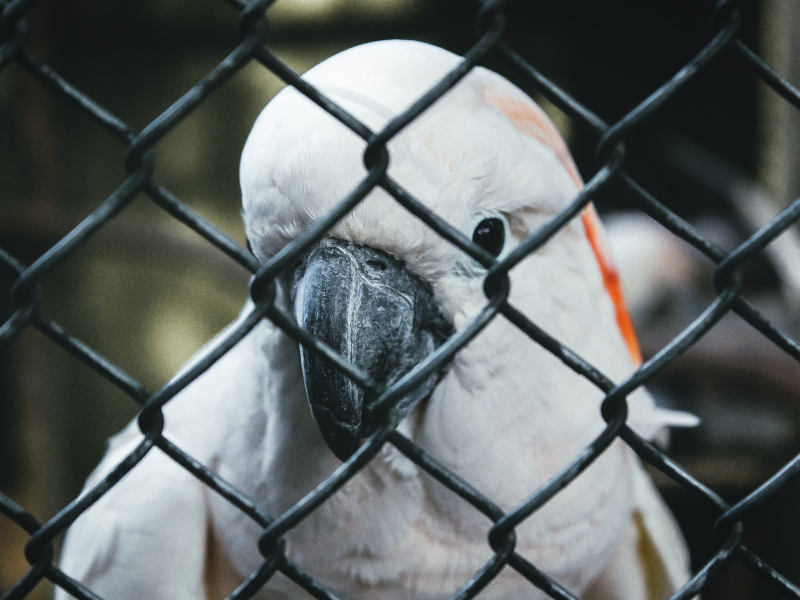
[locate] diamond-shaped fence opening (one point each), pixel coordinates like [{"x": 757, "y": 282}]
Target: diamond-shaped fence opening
[{"x": 121, "y": 251}]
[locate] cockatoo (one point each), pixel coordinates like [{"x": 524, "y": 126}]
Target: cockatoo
[{"x": 384, "y": 290}]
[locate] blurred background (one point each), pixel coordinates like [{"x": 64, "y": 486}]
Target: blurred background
[{"x": 147, "y": 292}]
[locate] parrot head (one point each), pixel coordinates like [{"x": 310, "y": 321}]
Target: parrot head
[{"x": 382, "y": 288}]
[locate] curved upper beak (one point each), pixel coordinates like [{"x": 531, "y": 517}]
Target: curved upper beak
[{"x": 370, "y": 309}]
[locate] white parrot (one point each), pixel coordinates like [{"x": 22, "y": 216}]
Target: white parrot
[{"x": 383, "y": 289}]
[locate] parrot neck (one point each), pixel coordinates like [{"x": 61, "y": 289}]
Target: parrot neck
[{"x": 295, "y": 457}]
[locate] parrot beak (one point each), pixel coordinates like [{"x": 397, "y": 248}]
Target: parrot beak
[{"x": 370, "y": 309}]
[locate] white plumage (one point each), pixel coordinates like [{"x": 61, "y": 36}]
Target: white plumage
[{"x": 505, "y": 416}]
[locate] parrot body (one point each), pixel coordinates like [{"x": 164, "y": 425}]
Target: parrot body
[{"x": 505, "y": 415}]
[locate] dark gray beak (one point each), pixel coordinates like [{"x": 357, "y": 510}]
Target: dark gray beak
[{"x": 370, "y": 309}]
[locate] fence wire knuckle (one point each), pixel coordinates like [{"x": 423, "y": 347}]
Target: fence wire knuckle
[{"x": 611, "y": 141}]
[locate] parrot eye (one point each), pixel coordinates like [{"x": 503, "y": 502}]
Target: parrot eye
[{"x": 490, "y": 234}]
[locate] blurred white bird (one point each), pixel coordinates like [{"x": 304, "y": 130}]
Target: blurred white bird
[
  {"x": 654, "y": 264},
  {"x": 384, "y": 290}
]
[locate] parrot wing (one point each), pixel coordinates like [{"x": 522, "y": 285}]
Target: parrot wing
[
  {"x": 146, "y": 537},
  {"x": 151, "y": 535},
  {"x": 651, "y": 561}
]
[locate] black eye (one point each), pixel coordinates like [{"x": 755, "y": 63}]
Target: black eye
[{"x": 490, "y": 234}]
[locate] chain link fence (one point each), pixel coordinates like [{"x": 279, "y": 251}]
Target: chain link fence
[{"x": 727, "y": 523}]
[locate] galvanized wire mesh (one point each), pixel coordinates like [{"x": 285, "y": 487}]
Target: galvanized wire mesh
[{"x": 491, "y": 25}]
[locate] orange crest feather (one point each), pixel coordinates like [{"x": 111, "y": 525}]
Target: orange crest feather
[{"x": 532, "y": 121}]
